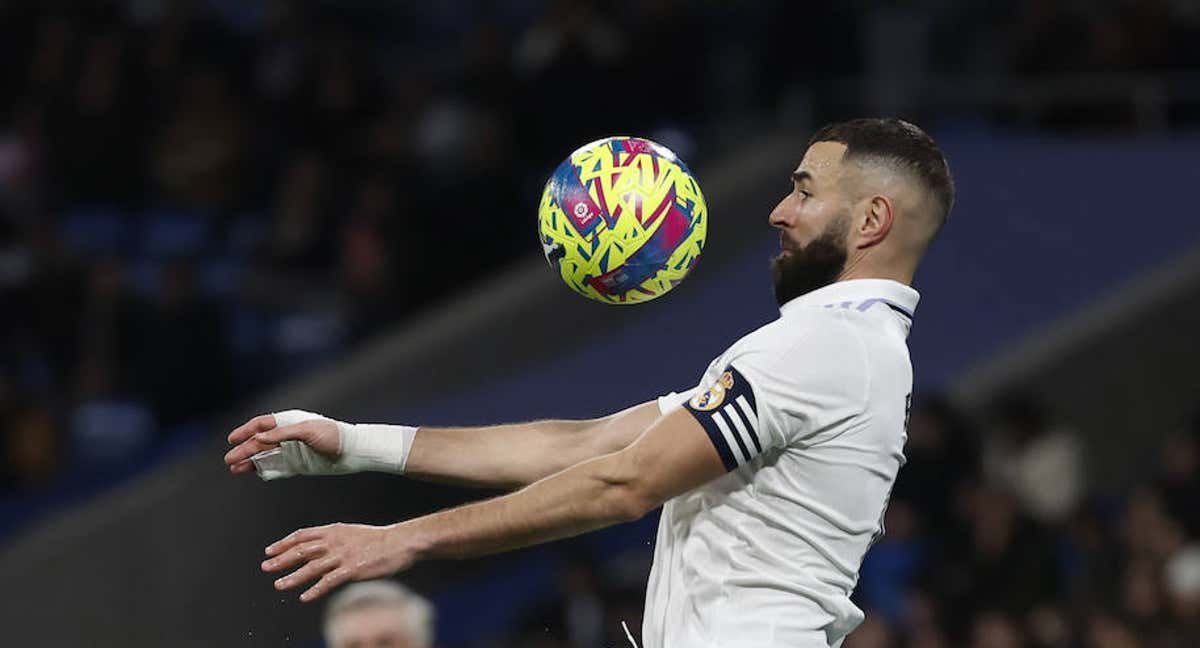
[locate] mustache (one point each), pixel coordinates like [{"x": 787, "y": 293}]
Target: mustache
[{"x": 788, "y": 244}]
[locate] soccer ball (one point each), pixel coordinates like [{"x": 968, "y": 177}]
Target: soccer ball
[{"x": 622, "y": 220}]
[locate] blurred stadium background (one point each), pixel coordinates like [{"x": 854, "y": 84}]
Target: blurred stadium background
[{"x": 213, "y": 208}]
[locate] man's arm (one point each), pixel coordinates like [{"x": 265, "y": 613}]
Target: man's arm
[
  {"x": 512, "y": 456},
  {"x": 502, "y": 456},
  {"x": 673, "y": 456}
]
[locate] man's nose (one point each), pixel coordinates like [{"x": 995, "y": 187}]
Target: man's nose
[{"x": 779, "y": 216}]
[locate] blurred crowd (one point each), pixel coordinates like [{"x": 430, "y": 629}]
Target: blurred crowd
[
  {"x": 201, "y": 198},
  {"x": 993, "y": 541}
]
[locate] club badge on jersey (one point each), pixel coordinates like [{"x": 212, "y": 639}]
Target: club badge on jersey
[
  {"x": 712, "y": 399},
  {"x": 728, "y": 412}
]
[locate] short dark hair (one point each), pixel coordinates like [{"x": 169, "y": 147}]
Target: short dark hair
[{"x": 900, "y": 144}]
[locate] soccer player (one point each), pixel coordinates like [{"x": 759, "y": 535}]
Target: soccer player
[{"x": 773, "y": 472}]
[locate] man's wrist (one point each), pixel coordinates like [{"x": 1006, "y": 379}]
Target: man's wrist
[
  {"x": 375, "y": 447},
  {"x": 416, "y": 539}
]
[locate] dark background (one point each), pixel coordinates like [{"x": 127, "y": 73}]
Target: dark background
[{"x": 212, "y": 208}]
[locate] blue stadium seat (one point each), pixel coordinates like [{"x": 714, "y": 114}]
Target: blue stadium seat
[
  {"x": 145, "y": 277},
  {"x": 221, "y": 277},
  {"x": 170, "y": 233},
  {"x": 305, "y": 340},
  {"x": 106, "y": 433},
  {"x": 245, "y": 234},
  {"x": 97, "y": 231}
]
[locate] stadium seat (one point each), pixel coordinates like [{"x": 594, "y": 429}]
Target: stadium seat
[
  {"x": 97, "y": 231},
  {"x": 169, "y": 233},
  {"x": 106, "y": 433}
]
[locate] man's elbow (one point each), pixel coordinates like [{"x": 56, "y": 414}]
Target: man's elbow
[{"x": 628, "y": 503}]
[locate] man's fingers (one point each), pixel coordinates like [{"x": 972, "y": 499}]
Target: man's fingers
[
  {"x": 253, "y": 426},
  {"x": 296, "y": 555},
  {"x": 245, "y": 450},
  {"x": 327, "y": 583},
  {"x": 290, "y": 540},
  {"x": 266, "y": 440},
  {"x": 302, "y": 431},
  {"x": 311, "y": 570}
]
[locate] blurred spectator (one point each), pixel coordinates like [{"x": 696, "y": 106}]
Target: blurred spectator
[
  {"x": 1004, "y": 563},
  {"x": 942, "y": 457},
  {"x": 111, "y": 339},
  {"x": 1141, "y": 598},
  {"x": 575, "y": 48},
  {"x": 1040, "y": 463},
  {"x": 1182, "y": 576},
  {"x": 185, "y": 359},
  {"x": 873, "y": 633},
  {"x": 624, "y": 607},
  {"x": 107, "y": 431},
  {"x": 1048, "y": 627},
  {"x": 1104, "y": 631},
  {"x": 300, "y": 237},
  {"x": 32, "y": 447},
  {"x": 370, "y": 267},
  {"x": 922, "y": 623},
  {"x": 1180, "y": 478},
  {"x": 995, "y": 630},
  {"x": 1148, "y": 531},
  {"x": 97, "y": 140},
  {"x": 49, "y": 298},
  {"x": 583, "y": 607},
  {"x": 577, "y": 616},
  {"x": 378, "y": 613},
  {"x": 893, "y": 562},
  {"x": 22, "y": 162},
  {"x": 198, "y": 155}
]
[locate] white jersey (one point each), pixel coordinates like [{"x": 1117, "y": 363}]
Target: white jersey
[{"x": 809, "y": 415}]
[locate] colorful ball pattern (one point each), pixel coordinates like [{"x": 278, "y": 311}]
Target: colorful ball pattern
[{"x": 622, "y": 220}]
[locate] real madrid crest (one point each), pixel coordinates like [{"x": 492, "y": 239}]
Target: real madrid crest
[{"x": 712, "y": 399}]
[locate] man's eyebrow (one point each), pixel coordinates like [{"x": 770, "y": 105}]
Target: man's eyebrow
[{"x": 801, "y": 176}]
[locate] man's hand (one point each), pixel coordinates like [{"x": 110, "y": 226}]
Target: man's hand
[
  {"x": 261, "y": 433},
  {"x": 673, "y": 456},
  {"x": 336, "y": 553}
]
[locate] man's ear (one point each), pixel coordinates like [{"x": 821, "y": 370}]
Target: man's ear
[{"x": 876, "y": 222}]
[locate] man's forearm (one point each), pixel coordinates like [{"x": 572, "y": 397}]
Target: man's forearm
[
  {"x": 511, "y": 456},
  {"x": 501, "y": 456},
  {"x": 590, "y": 495}
]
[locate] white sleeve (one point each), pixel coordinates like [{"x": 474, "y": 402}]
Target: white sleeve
[
  {"x": 770, "y": 400},
  {"x": 674, "y": 400}
]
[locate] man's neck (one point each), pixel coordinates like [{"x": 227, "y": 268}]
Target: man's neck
[{"x": 866, "y": 272}]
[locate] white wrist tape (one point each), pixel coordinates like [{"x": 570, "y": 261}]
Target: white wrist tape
[{"x": 363, "y": 447}]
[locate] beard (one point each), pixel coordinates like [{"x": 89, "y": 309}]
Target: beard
[{"x": 802, "y": 270}]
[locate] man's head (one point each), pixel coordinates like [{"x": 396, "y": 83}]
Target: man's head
[
  {"x": 378, "y": 614},
  {"x": 866, "y": 200}
]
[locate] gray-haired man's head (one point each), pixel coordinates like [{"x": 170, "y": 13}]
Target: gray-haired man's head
[{"x": 378, "y": 614}]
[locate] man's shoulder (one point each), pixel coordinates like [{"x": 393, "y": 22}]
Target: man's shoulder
[
  {"x": 800, "y": 343},
  {"x": 805, "y": 327}
]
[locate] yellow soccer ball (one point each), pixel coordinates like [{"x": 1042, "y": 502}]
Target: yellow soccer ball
[{"x": 622, "y": 220}]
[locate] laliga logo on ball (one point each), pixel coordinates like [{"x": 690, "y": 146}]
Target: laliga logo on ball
[
  {"x": 582, "y": 213},
  {"x": 622, "y": 220}
]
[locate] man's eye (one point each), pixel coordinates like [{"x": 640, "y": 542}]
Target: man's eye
[{"x": 804, "y": 193}]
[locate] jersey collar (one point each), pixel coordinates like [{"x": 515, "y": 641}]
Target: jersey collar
[{"x": 859, "y": 294}]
